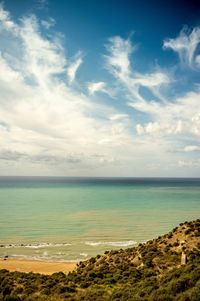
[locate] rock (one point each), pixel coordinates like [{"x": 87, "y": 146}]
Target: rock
[{"x": 183, "y": 258}]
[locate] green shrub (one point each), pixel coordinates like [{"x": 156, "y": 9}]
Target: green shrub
[
  {"x": 195, "y": 294},
  {"x": 177, "y": 286},
  {"x": 12, "y": 298}
]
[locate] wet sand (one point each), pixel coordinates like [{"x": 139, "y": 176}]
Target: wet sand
[{"x": 34, "y": 266}]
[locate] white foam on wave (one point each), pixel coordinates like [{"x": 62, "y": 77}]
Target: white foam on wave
[
  {"x": 111, "y": 243},
  {"x": 61, "y": 253},
  {"x": 42, "y": 258},
  {"x": 93, "y": 244},
  {"x": 84, "y": 254},
  {"x": 46, "y": 245},
  {"x": 36, "y": 246}
]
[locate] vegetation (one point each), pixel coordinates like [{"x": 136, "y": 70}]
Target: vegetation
[{"x": 151, "y": 271}]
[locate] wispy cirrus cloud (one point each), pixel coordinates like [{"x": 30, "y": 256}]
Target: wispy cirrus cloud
[
  {"x": 73, "y": 67},
  {"x": 118, "y": 116},
  {"x": 178, "y": 116},
  {"x": 46, "y": 117},
  {"x": 48, "y": 23},
  {"x": 102, "y": 87},
  {"x": 41, "y": 4},
  {"x": 185, "y": 45},
  {"x": 96, "y": 87},
  {"x": 119, "y": 65},
  {"x": 198, "y": 60},
  {"x": 50, "y": 125},
  {"x": 169, "y": 117}
]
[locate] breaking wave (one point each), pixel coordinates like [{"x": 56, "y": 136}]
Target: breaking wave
[
  {"x": 37, "y": 246},
  {"x": 111, "y": 243}
]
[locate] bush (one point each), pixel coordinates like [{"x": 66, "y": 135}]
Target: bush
[
  {"x": 177, "y": 286},
  {"x": 7, "y": 290},
  {"x": 195, "y": 294},
  {"x": 12, "y": 298},
  {"x": 19, "y": 290}
]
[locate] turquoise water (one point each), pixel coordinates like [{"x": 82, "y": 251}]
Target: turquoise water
[{"x": 73, "y": 219}]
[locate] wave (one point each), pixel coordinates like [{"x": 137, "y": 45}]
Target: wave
[
  {"x": 45, "y": 245},
  {"x": 56, "y": 245},
  {"x": 37, "y": 246},
  {"x": 41, "y": 258},
  {"x": 84, "y": 254},
  {"x": 111, "y": 243}
]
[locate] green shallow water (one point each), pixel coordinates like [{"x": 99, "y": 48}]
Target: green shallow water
[{"x": 63, "y": 219}]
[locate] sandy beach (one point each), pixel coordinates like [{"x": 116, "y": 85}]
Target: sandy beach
[{"x": 34, "y": 266}]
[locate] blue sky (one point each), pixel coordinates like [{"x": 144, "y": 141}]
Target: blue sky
[{"x": 100, "y": 88}]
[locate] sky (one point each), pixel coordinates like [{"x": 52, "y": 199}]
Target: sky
[{"x": 100, "y": 88}]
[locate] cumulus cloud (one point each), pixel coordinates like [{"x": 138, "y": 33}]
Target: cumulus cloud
[
  {"x": 185, "y": 45},
  {"x": 192, "y": 148},
  {"x": 139, "y": 129},
  {"x": 181, "y": 117},
  {"x": 160, "y": 128}
]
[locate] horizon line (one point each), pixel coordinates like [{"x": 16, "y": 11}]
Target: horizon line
[{"x": 97, "y": 177}]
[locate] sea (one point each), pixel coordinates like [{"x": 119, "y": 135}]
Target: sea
[{"x": 72, "y": 219}]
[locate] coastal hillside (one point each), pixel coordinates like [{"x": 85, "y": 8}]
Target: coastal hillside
[{"x": 162, "y": 269}]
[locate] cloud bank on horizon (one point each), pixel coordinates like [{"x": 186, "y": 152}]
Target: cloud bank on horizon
[{"x": 130, "y": 123}]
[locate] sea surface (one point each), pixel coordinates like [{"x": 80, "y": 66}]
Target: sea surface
[{"x": 69, "y": 219}]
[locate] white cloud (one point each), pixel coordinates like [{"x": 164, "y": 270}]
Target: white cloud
[
  {"x": 178, "y": 117},
  {"x": 198, "y": 60},
  {"x": 118, "y": 116},
  {"x": 5, "y": 20},
  {"x": 120, "y": 50},
  {"x": 185, "y": 44},
  {"x": 72, "y": 69},
  {"x": 48, "y": 24},
  {"x": 95, "y": 87},
  {"x": 181, "y": 117},
  {"x": 118, "y": 64},
  {"x": 192, "y": 148},
  {"x": 139, "y": 129},
  {"x": 161, "y": 127},
  {"x": 47, "y": 126},
  {"x": 46, "y": 119},
  {"x": 189, "y": 164}
]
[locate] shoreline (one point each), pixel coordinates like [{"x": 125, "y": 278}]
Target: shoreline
[{"x": 36, "y": 266}]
